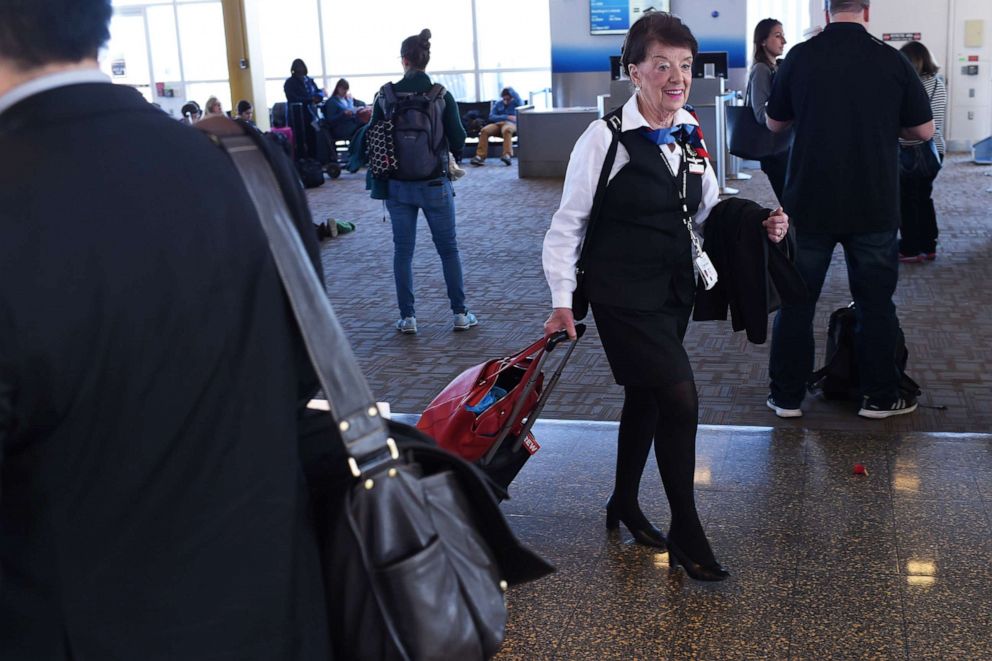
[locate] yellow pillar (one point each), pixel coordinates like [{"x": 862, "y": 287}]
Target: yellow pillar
[{"x": 244, "y": 57}]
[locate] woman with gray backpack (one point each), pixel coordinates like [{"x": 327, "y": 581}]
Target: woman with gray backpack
[{"x": 414, "y": 124}]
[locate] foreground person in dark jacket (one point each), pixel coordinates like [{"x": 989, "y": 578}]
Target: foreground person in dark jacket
[{"x": 152, "y": 501}]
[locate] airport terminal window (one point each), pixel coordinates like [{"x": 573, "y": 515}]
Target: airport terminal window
[
  {"x": 180, "y": 44},
  {"x": 204, "y": 49},
  {"x": 289, "y": 30},
  {"x": 513, "y": 34},
  {"x": 164, "y": 43},
  {"x": 169, "y": 50}
]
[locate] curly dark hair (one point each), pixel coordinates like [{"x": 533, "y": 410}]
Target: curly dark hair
[
  {"x": 656, "y": 26},
  {"x": 35, "y": 33}
]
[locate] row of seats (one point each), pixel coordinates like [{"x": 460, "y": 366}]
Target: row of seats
[{"x": 281, "y": 115}]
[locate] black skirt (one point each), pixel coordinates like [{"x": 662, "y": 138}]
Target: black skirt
[{"x": 644, "y": 348}]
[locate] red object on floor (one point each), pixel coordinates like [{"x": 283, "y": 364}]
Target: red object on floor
[{"x": 859, "y": 469}]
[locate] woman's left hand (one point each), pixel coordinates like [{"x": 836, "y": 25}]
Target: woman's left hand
[{"x": 777, "y": 225}]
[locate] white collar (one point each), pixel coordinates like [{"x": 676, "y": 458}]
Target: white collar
[
  {"x": 49, "y": 82},
  {"x": 633, "y": 119}
]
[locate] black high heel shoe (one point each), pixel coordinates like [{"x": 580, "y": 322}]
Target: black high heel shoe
[
  {"x": 640, "y": 528},
  {"x": 711, "y": 572}
]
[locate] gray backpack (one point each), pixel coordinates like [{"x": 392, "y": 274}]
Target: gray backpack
[{"x": 418, "y": 140}]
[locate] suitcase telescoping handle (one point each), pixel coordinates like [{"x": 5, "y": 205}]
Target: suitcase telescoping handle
[
  {"x": 553, "y": 340},
  {"x": 557, "y": 338}
]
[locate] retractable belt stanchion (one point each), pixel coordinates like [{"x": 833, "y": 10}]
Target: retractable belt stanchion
[{"x": 721, "y": 143}]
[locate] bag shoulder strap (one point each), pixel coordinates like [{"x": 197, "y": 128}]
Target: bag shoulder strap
[
  {"x": 352, "y": 406},
  {"x": 614, "y": 121},
  {"x": 435, "y": 92}
]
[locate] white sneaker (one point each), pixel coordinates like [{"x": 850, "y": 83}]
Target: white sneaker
[
  {"x": 783, "y": 412},
  {"x": 464, "y": 320},
  {"x": 407, "y": 325}
]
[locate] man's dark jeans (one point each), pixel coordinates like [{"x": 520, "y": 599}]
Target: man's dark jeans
[{"x": 872, "y": 273}]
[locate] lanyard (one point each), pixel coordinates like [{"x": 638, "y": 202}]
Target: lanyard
[{"x": 684, "y": 176}]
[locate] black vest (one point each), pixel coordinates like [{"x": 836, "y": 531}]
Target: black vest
[{"x": 640, "y": 247}]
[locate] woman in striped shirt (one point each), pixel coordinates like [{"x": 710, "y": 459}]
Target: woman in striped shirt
[{"x": 918, "y": 231}]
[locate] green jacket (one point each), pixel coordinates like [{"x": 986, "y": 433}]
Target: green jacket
[{"x": 418, "y": 81}]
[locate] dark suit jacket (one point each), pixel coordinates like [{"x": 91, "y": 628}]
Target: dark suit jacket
[
  {"x": 754, "y": 275},
  {"x": 151, "y": 498}
]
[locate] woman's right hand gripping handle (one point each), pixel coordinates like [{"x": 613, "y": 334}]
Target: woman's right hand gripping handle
[{"x": 560, "y": 319}]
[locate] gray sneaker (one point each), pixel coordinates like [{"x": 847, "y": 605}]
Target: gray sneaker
[
  {"x": 506, "y": 160},
  {"x": 407, "y": 325},
  {"x": 477, "y": 161},
  {"x": 464, "y": 320}
]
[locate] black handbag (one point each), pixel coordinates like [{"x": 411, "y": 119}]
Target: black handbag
[
  {"x": 416, "y": 553},
  {"x": 920, "y": 161},
  {"x": 749, "y": 139},
  {"x": 580, "y": 304}
]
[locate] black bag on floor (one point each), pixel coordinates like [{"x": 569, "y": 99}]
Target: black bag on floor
[
  {"x": 839, "y": 378},
  {"x": 311, "y": 172}
]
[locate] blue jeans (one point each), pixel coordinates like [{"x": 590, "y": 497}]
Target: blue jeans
[
  {"x": 437, "y": 199},
  {"x": 872, "y": 273}
]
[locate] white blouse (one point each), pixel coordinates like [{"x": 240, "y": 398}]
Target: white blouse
[{"x": 563, "y": 240}]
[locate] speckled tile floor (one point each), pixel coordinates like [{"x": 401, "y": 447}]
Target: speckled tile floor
[{"x": 826, "y": 564}]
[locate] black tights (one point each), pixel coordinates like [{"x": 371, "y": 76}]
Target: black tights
[{"x": 668, "y": 416}]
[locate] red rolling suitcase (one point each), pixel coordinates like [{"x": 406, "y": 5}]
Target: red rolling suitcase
[{"x": 486, "y": 413}]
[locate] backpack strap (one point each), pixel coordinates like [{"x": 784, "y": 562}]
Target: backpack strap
[
  {"x": 435, "y": 92},
  {"x": 614, "y": 121},
  {"x": 388, "y": 93}
]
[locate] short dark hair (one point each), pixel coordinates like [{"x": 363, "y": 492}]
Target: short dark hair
[
  {"x": 839, "y": 6},
  {"x": 34, "y": 33},
  {"x": 243, "y": 106},
  {"x": 298, "y": 67},
  {"x": 656, "y": 26},
  {"x": 919, "y": 56},
  {"x": 762, "y": 31},
  {"x": 417, "y": 49}
]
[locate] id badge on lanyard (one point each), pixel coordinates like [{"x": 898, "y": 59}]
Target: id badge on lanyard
[{"x": 693, "y": 164}]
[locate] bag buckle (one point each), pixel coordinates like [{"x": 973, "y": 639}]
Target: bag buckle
[{"x": 392, "y": 454}]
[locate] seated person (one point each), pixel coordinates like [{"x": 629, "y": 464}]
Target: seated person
[
  {"x": 245, "y": 115},
  {"x": 191, "y": 113},
  {"x": 502, "y": 121},
  {"x": 214, "y": 109},
  {"x": 342, "y": 114}
]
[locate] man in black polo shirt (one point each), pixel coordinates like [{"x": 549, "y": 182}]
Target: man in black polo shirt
[{"x": 850, "y": 97}]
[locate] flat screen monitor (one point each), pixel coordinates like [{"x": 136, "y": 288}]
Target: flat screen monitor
[
  {"x": 711, "y": 64},
  {"x": 616, "y": 16}
]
